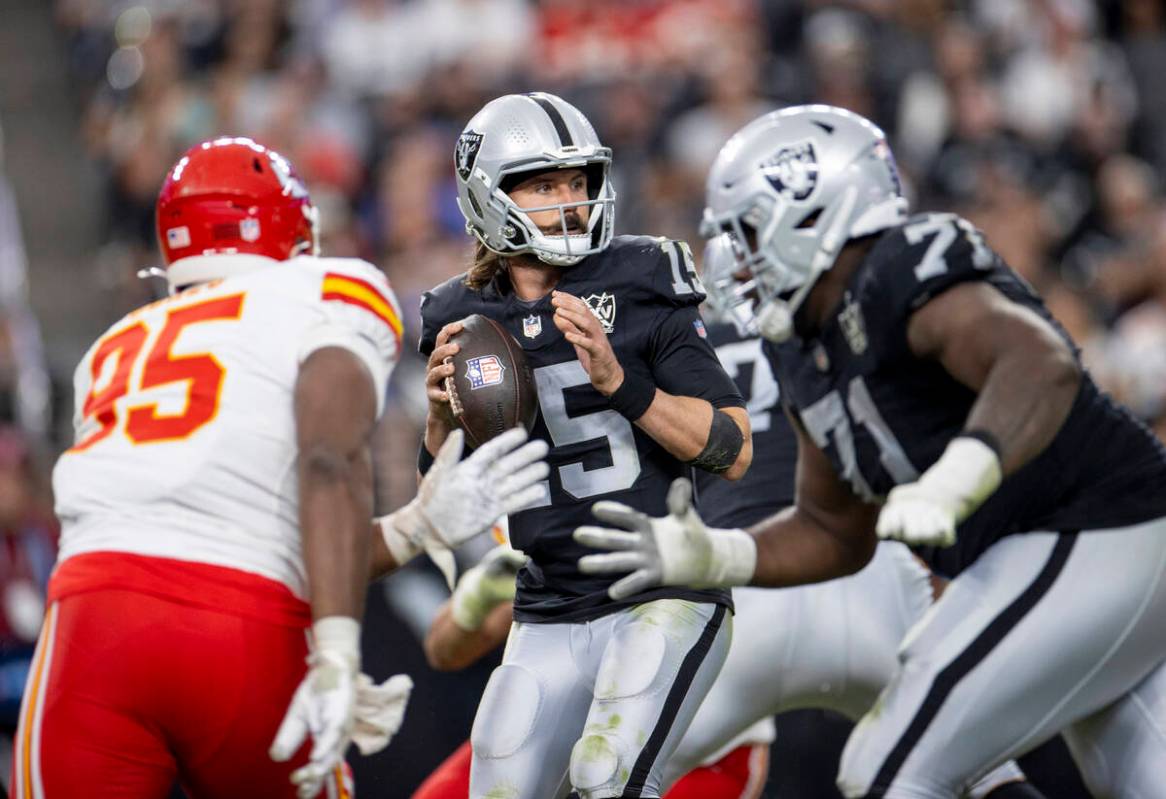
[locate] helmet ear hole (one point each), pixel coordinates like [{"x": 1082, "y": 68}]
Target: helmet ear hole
[{"x": 810, "y": 219}]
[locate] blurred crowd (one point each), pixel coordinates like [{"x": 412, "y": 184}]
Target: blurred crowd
[{"x": 1036, "y": 119}]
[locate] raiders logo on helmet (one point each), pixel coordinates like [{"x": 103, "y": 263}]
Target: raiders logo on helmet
[
  {"x": 793, "y": 170},
  {"x": 466, "y": 153}
]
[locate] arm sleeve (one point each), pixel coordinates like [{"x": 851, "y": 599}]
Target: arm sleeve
[{"x": 685, "y": 364}]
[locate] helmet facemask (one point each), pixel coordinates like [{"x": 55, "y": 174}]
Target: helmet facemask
[
  {"x": 563, "y": 248},
  {"x": 756, "y": 228},
  {"x": 727, "y": 298},
  {"x": 791, "y": 189}
]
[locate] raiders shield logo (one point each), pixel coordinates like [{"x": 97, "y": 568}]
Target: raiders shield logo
[
  {"x": 603, "y": 308},
  {"x": 792, "y": 171},
  {"x": 466, "y": 153}
]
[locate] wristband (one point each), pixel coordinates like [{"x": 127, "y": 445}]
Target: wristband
[
  {"x": 966, "y": 474},
  {"x": 734, "y": 557},
  {"x": 338, "y": 635},
  {"x": 634, "y": 395},
  {"x": 424, "y": 459},
  {"x": 400, "y": 544},
  {"x": 983, "y": 435}
]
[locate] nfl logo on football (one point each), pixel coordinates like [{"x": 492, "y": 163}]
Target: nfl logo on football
[
  {"x": 532, "y": 326},
  {"x": 483, "y": 371}
]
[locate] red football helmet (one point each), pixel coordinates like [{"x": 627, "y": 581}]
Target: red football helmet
[{"x": 232, "y": 195}]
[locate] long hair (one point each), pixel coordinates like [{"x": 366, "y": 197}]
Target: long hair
[{"x": 484, "y": 267}]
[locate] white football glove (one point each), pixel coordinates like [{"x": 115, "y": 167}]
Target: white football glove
[
  {"x": 380, "y": 710},
  {"x": 676, "y": 549},
  {"x": 323, "y": 706},
  {"x": 485, "y": 586},
  {"x": 926, "y": 512},
  {"x": 459, "y": 499}
]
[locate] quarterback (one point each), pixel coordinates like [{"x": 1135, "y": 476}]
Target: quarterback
[
  {"x": 593, "y": 692},
  {"x": 217, "y": 502},
  {"x": 933, "y": 395}
]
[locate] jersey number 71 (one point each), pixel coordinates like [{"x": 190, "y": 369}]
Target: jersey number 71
[{"x": 202, "y": 372}]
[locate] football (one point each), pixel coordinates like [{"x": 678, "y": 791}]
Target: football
[{"x": 492, "y": 388}]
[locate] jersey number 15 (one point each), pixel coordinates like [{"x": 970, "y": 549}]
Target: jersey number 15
[{"x": 202, "y": 372}]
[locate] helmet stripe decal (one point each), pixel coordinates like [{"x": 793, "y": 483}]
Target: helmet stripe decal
[{"x": 557, "y": 120}]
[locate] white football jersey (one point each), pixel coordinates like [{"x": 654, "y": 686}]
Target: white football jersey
[{"x": 185, "y": 434}]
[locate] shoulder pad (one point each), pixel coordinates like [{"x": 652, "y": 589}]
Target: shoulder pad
[
  {"x": 917, "y": 260},
  {"x": 359, "y": 284},
  {"x": 350, "y": 267},
  {"x": 657, "y": 269},
  {"x": 442, "y": 304}
]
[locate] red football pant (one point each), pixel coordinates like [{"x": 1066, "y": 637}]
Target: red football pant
[
  {"x": 738, "y": 775},
  {"x": 129, "y": 692}
]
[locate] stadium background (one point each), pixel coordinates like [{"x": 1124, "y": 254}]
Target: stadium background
[{"x": 1037, "y": 119}]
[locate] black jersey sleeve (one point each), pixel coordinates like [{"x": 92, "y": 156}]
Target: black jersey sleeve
[
  {"x": 916, "y": 262},
  {"x": 448, "y": 302},
  {"x": 684, "y": 363},
  {"x": 674, "y": 279},
  {"x": 429, "y": 325}
]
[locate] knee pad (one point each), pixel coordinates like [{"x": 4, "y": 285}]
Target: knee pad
[
  {"x": 631, "y": 663},
  {"x": 599, "y": 759},
  {"x": 507, "y": 713}
]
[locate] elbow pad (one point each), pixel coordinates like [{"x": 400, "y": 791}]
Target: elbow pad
[{"x": 724, "y": 445}]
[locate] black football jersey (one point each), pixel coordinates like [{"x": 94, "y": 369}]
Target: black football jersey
[
  {"x": 883, "y": 416},
  {"x": 645, "y": 293},
  {"x": 768, "y": 486}
]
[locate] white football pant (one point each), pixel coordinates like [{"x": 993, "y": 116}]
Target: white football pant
[
  {"x": 1044, "y": 633},
  {"x": 598, "y": 706}
]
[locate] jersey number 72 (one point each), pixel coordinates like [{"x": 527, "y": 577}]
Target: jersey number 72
[{"x": 202, "y": 372}]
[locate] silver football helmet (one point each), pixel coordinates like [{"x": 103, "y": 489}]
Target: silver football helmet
[
  {"x": 790, "y": 189},
  {"x": 728, "y": 300},
  {"x": 522, "y": 134}
]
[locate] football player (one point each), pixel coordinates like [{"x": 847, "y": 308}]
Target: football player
[
  {"x": 834, "y": 644},
  {"x": 216, "y": 504},
  {"x": 932, "y": 394},
  {"x": 831, "y": 646},
  {"x": 593, "y": 692}
]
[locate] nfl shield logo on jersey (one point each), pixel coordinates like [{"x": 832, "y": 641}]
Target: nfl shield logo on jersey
[
  {"x": 532, "y": 326},
  {"x": 603, "y": 308},
  {"x": 485, "y": 370}
]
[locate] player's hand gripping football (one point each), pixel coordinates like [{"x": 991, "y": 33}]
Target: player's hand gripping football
[
  {"x": 336, "y": 705},
  {"x": 584, "y": 331},
  {"x": 437, "y": 371},
  {"x": 677, "y": 549},
  {"x": 459, "y": 499},
  {"x": 927, "y": 511}
]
